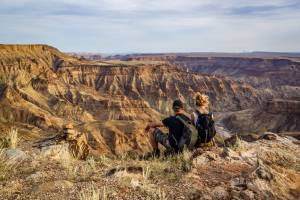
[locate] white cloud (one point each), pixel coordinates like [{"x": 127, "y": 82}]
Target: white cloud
[{"x": 157, "y": 25}]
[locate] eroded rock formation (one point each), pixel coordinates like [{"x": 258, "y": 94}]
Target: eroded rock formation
[{"x": 42, "y": 89}]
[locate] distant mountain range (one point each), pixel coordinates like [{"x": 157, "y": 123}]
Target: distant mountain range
[{"x": 254, "y": 54}]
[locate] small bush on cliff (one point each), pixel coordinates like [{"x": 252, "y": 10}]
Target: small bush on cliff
[
  {"x": 11, "y": 140},
  {"x": 182, "y": 161}
]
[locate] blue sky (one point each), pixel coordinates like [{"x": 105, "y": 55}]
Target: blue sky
[{"x": 122, "y": 26}]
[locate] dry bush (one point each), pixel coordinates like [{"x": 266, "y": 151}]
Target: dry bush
[
  {"x": 103, "y": 161},
  {"x": 146, "y": 172},
  {"x": 167, "y": 168},
  {"x": 13, "y": 138},
  {"x": 79, "y": 170},
  {"x": 70, "y": 168},
  {"x": 4, "y": 142},
  {"x": 237, "y": 145},
  {"x": 92, "y": 163},
  {"x": 181, "y": 162},
  {"x": 161, "y": 194},
  {"x": 7, "y": 165}
]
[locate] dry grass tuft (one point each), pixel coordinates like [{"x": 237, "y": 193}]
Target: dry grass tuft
[
  {"x": 93, "y": 194},
  {"x": 238, "y": 145},
  {"x": 146, "y": 172},
  {"x": 161, "y": 194},
  {"x": 92, "y": 163},
  {"x": 13, "y": 138},
  {"x": 7, "y": 166},
  {"x": 79, "y": 170},
  {"x": 70, "y": 168},
  {"x": 182, "y": 162}
]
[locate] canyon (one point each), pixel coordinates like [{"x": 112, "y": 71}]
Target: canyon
[
  {"x": 112, "y": 99},
  {"x": 42, "y": 89}
]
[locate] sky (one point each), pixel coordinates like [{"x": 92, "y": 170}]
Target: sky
[{"x": 152, "y": 26}]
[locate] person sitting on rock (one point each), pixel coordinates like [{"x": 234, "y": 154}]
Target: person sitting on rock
[
  {"x": 203, "y": 121},
  {"x": 175, "y": 125}
]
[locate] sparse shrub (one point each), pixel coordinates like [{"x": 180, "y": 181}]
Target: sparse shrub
[
  {"x": 7, "y": 165},
  {"x": 70, "y": 167},
  {"x": 129, "y": 155},
  {"x": 4, "y": 142},
  {"x": 92, "y": 163},
  {"x": 91, "y": 193},
  {"x": 146, "y": 172},
  {"x": 219, "y": 139},
  {"x": 79, "y": 170},
  {"x": 237, "y": 145},
  {"x": 13, "y": 138},
  {"x": 161, "y": 194},
  {"x": 182, "y": 162},
  {"x": 102, "y": 161}
]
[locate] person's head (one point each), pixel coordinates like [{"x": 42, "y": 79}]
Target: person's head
[
  {"x": 177, "y": 106},
  {"x": 201, "y": 100}
]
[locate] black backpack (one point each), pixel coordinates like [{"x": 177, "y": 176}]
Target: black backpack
[
  {"x": 189, "y": 135},
  {"x": 206, "y": 127}
]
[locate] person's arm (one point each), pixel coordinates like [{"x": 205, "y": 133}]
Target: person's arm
[{"x": 154, "y": 125}]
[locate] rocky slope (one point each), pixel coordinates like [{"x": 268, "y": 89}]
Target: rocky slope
[
  {"x": 261, "y": 169},
  {"x": 42, "y": 89}
]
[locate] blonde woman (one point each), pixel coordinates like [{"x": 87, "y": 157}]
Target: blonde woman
[{"x": 203, "y": 121}]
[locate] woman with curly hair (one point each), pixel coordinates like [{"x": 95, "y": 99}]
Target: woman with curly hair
[{"x": 203, "y": 120}]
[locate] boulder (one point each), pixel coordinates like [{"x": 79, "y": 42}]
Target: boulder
[
  {"x": 56, "y": 151},
  {"x": 16, "y": 154}
]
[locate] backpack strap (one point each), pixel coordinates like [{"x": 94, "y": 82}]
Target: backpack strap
[
  {"x": 198, "y": 112},
  {"x": 182, "y": 121},
  {"x": 198, "y": 118}
]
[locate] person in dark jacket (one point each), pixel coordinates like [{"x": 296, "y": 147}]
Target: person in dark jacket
[{"x": 168, "y": 140}]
